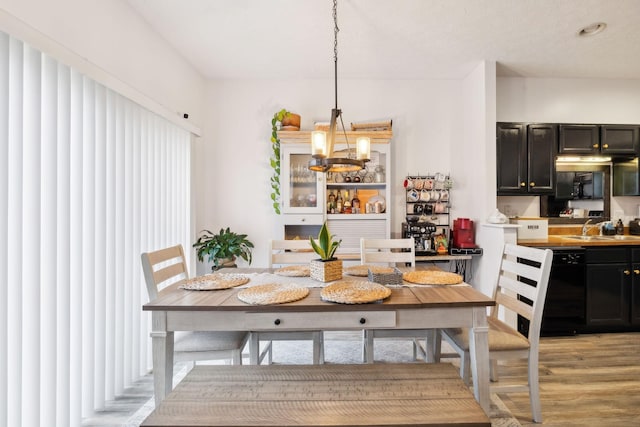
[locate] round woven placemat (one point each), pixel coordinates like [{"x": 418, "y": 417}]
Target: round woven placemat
[
  {"x": 294, "y": 271},
  {"x": 214, "y": 282},
  {"x": 273, "y": 293},
  {"x": 363, "y": 270},
  {"x": 432, "y": 277},
  {"x": 354, "y": 292}
]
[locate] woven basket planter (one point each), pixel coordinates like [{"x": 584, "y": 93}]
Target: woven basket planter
[{"x": 326, "y": 271}]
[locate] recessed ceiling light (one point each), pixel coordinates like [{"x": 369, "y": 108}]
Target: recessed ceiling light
[{"x": 592, "y": 30}]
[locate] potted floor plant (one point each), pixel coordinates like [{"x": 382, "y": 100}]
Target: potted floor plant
[
  {"x": 223, "y": 248},
  {"x": 327, "y": 268}
]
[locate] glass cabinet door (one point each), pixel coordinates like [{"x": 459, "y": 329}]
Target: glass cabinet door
[{"x": 301, "y": 189}]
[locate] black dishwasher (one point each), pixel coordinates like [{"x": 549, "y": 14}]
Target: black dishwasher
[{"x": 565, "y": 305}]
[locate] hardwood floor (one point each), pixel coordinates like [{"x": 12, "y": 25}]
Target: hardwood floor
[{"x": 586, "y": 380}]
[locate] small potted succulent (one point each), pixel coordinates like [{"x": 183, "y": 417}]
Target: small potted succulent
[
  {"x": 327, "y": 268},
  {"x": 223, "y": 248}
]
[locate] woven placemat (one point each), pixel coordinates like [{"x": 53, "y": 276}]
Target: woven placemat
[
  {"x": 432, "y": 277},
  {"x": 273, "y": 293},
  {"x": 294, "y": 271},
  {"x": 214, "y": 282},
  {"x": 354, "y": 292},
  {"x": 363, "y": 270}
]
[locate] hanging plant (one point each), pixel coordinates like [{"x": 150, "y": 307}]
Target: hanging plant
[{"x": 275, "y": 159}]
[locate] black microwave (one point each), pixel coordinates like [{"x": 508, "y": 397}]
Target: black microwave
[{"x": 579, "y": 185}]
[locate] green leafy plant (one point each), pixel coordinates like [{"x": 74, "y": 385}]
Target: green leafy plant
[
  {"x": 275, "y": 159},
  {"x": 326, "y": 246},
  {"x": 226, "y": 244}
]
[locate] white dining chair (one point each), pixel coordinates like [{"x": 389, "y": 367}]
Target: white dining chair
[
  {"x": 168, "y": 266},
  {"x": 390, "y": 252},
  {"x": 521, "y": 288},
  {"x": 283, "y": 253}
]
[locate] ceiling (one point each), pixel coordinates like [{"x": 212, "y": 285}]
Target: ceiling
[{"x": 399, "y": 39}]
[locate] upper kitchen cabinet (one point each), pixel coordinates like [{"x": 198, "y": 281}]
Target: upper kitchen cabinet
[
  {"x": 620, "y": 139},
  {"x": 526, "y": 158},
  {"x": 582, "y": 139},
  {"x": 579, "y": 139}
]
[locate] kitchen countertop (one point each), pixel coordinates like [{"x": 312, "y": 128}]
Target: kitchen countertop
[{"x": 560, "y": 240}]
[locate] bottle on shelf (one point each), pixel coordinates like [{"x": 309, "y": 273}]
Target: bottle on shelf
[
  {"x": 331, "y": 203},
  {"x": 339, "y": 203},
  {"x": 355, "y": 203},
  {"x": 346, "y": 207}
]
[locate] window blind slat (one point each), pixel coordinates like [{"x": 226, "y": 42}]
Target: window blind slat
[
  {"x": 50, "y": 235},
  {"x": 76, "y": 149},
  {"x": 88, "y": 248},
  {"x": 4, "y": 222},
  {"x": 31, "y": 237},
  {"x": 14, "y": 234},
  {"x": 63, "y": 249}
]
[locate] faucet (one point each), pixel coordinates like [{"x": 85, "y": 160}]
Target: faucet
[{"x": 584, "y": 227}]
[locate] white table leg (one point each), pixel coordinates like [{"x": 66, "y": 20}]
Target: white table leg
[
  {"x": 432, "y": 346},
  {"x": 479, "y": 352},
  {"x": 254, "y": 348},
  {"x": 162, "y": 343}
]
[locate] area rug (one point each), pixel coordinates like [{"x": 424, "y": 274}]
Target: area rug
[{"x": 340, "y": 348}]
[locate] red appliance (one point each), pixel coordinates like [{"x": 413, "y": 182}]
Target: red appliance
[{"x": 463, "y": 234}]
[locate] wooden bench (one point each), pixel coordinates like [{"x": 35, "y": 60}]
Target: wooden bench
[{"x": 320, "y": 395}]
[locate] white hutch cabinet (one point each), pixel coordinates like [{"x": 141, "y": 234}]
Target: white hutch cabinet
[{"x": 305, "y": 195}]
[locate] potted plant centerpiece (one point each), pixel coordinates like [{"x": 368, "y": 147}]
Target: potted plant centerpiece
[
  {"x": 223, "y": 248},
  {"x": 327, "y": 268}
]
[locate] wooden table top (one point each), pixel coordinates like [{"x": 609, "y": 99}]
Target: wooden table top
[{"x": 405, "y": 297}]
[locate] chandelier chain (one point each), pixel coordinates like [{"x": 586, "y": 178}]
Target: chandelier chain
[
  {"x": 335, "y": 49},
  {"x": 335, "y": 30}
]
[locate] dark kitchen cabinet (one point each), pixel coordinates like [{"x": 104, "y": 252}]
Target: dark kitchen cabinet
[
  {"x": 614, "y": 140},
  {"x": 525, "y": 158},
  {"x": 578, "y": 139},
  {"x": 635, "y": 288},
  {"x": 626, "y": 178},
  {"x": 620, "y": 139},
  {"x": 609, "y": 278}
]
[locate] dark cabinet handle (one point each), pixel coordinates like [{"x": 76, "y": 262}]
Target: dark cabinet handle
[
  {"x": 277, "y": 321},
  {"x": 626, "y": 272},
  {"x": 522, "y": 184},
  {"x": 532, "y": 184},
  {"x": 636, "y": 272},
  {"x": 605, "y": 146},
  {"x": 363, "y": 320}
]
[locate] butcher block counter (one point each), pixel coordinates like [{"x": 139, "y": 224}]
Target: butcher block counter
[{"x": 572, "y": 236}]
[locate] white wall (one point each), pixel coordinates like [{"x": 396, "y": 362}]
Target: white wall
[
  {"x": 233, "y": 161},
  {"x": 474, "y": 157},
  {"x": 111, "y": 38},
  {"x": 569, "y": 101}
]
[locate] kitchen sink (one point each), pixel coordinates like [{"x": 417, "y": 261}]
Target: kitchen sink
[{"x": 589, "y": 238}]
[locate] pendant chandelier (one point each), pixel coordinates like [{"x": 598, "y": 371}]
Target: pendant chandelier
[{"x": 324, "y": 159}]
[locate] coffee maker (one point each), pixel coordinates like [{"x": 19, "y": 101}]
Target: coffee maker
[{"x": 463, "y": 234}]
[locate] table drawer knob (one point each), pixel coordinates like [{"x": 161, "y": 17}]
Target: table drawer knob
[
  {"x": 276, "y": 322},
  {"x": 363, "y": 320}
]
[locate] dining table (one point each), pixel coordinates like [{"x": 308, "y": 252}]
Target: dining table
[{"x": 409, "y": 306}]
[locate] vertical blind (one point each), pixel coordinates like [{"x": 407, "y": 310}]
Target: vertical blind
[{"x": 88, "y": 181}]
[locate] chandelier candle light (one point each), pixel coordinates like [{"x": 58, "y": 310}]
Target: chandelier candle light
[{"x": 323, "y": 156}]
